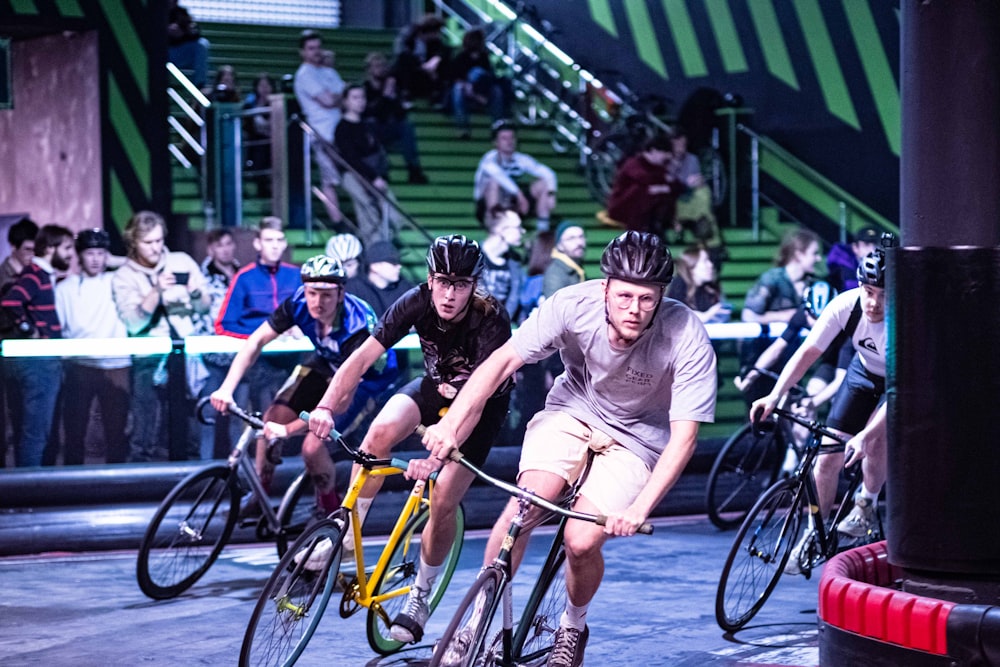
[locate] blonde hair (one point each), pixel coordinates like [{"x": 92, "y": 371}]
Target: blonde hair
[{"x": 138, "y": 226}]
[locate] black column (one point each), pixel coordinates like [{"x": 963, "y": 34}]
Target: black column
[{"x": 944, "y": 304}]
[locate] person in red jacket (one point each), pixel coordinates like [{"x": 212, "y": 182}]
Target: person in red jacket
[{"x": 644, "y": 196}]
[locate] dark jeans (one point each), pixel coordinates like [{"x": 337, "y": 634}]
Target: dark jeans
[
  {"x": 38, "y": 380},
  {"x": 111, "y": 388},
  {"x": 484, "y": 85},
  {"x": 399, "y": 135},
  {"x": 150, "y": 432}
]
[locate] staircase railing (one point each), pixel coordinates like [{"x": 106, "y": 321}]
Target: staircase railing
[
  {"x": 846, "y": 211},
  {"x": 192, "y": 135}
]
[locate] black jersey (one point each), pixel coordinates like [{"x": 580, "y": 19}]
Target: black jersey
[{"x": 451, "y": 351}]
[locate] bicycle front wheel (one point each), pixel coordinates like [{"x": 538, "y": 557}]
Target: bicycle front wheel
[
  {"x": 747, "y": 464},
  {"x": 298, "y": 508},
  {"x": 190, "y": 528},
  {"x": 758, "y": 555},
  {"x": 536, "y": 632},
  {"x": 464, "y": 641},
  {"x": 400, "y": 574},
  {"x": 292, "y": 603}
]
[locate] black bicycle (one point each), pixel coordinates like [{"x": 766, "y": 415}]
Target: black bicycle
[
  {"x": 197, "y": 518},
  {"x": 466, "y": 641},
  {"x": 750, "y": 461},
  {"x": 765, "y": 540}
]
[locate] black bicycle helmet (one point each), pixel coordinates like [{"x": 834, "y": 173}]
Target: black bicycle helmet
[
  {"x": 323, "y": 271},
  {"x": 93, "y": 238},
  {"x": 871, "y": 271},
  {"x": 455, "y": 255},
  {"x": 817, "y": 296},
  {"x": 638, "y": 257}
]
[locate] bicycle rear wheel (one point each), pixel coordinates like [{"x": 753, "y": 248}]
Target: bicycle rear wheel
[
  {"x": 188, "y": 530},
  {"x": 536, "y": 631},
  {"x": 400, "y": 574},
  {"x": 298, "y": 508},
  {"x": 464, "y": 641},
  {"x": 292, "y": 603},
  {"x": 747, "y": 464},
  {"x": 757, "y": 558}
]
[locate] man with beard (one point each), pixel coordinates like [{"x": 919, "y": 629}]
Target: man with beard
[
  {"x": 640, "y": 376},
  {"x": 31, "y": 300},
  {"x": 459, "y": 327},
  {"x": 156, "y": 293}
]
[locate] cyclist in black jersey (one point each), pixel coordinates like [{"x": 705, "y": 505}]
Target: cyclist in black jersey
[{"x": 458, "y": 326}]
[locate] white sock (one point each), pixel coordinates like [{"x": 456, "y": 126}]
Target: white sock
[
  {"x": 426, "y": 575},
  {"x": 865, "y": 493},
  {"x": 361, "y": 505},
  {"x": 574, "y": 617}
]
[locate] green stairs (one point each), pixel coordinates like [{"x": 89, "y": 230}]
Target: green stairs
[{"x": 445, "y": 206}]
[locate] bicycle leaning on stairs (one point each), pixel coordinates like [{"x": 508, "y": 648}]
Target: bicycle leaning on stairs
[
  {"x": 764, "y": 543},
  {"x": 197, "y": 518}
]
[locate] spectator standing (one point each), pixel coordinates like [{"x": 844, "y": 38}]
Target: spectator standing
[
  {"x": 388, "y": 117},
  {"x": 843, "y": 260},
  {"x": 498, "y": 175},
  {"x": 157, "y": 293},
  {"x": 255, "y": 292},
  {"x": 475, "y": 81},
  {"x": 696, "y": 286},
  {"x": 259, "y": 133},
  {"x": 31, "y": 301},
  {"x": 778, "y": 292},
  {"x": 644, "y": 195},
  {"x": 319, "y": 90},
  {"x": 377, "y": 219},
  {"x": 187, "y": 48},
  {"x": 21, "y": 237},
  {"x": 226, "y": 88},
  {"x": 347, "y": 249},
  {"x": 503, "y": 274},
  {"x": 565, "y": 267},
  {"x": 86, "y": 309},
  {"x": 382, "y": 285}
]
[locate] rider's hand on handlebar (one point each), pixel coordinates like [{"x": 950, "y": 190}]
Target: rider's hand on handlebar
[
  {"x": 854, "y": 451},
  {"x": 221, "y": 400},
  {"x": 321, "y": 422},
  {"x": 422, "y": 468},
  {"x": 624, "y": 524},
  {"x": 439, "y": 441},
  {"x": 762, "y": 408},
  {"x": 275, "y": 430}
]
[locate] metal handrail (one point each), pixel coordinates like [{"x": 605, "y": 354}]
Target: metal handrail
[
  {"x": 846, "y": 203},
  {"x": 196, "y": 114}
]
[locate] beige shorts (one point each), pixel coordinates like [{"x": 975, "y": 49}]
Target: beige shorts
[
  {"x": 328, "y": 172},
  {"x": 556, "y": 442}
]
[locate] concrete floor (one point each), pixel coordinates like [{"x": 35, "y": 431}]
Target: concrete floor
[{"x": 655, "y": 608}]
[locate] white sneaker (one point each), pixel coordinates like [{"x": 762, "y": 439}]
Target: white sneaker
[
  {"x": 791, "y": 462},
  {"x": 794, "y": 566},
  {"x": 860, "y": 520},
  {"x": 408, "y": 626},
  {"x": 318, "y": 559}
]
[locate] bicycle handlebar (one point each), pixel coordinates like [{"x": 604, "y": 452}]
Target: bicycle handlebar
[
  {"x": 251, "y": 419},
  {"x": 812, "y": 425},
  {"x": 524, "y": 494},
  {"x": 363, "y": 459}
]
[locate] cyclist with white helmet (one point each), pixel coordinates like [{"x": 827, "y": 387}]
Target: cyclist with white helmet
[
  {"x": 346, "y": 248},
  {"x": 336, "y": 323},
  {"x": 639, "y": 378},
  {"x": 459, "y": 327},
  {"x": 859, "y": 398}
]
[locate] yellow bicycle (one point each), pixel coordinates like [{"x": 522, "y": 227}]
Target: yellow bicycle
[{"x": 292, "y": 603}]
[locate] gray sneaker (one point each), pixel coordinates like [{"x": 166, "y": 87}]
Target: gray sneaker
[
  {"x": 408, "y": 626},
  {"x": 859, "y": 521},
  {"x": 567, "y": 651},
  {"x": 794, "y": 564}
]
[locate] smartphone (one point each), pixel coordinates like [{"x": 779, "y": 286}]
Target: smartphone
[{"x": 181, "y": 278}]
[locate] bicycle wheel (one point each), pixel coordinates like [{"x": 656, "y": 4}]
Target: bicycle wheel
[
  {"x": 464, "y": 641},
  {"x": 536, "y": 631},
  {"x": 747, "y": 464},
  {"x": 187, "y": 532},
  {"x": 758, "y": 555},
  {"x": 400, "y": 573},
  {"x": 602, "y": 164},
  {"x": 292, "y": 603},
  {"x": 298, "y": 508}
]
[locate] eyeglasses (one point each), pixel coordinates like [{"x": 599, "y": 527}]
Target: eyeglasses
[
  {"x": 460, "y": 285},
  {"x": 623, "y": 300}
]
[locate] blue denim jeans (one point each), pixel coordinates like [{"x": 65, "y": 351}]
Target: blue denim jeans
[
  {"x": 485, "y": 85},
  {"x": 39, "y": 381}
]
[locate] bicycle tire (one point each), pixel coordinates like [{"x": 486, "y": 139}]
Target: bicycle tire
[
  {"x": 292, "y": 603},
  {"x": 758, "y": 556},
  {"x": 401, "y": 571},
  {"x": 748, "y": 463},
  {"x": 464, "y": 641},
  {"x": 187, "y": 533},
  {"x": 536, "y": 631},
  {"x": 298, "y": 508}
]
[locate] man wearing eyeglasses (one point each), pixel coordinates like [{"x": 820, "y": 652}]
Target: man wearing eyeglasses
[
  {"x": 459, "y": 327},
  {"x": 639, "y": 378}
]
